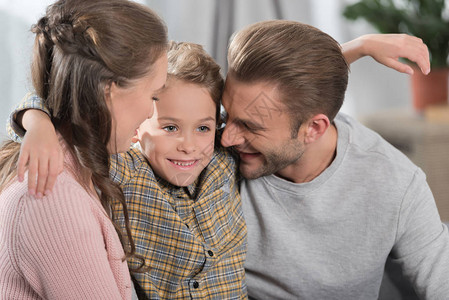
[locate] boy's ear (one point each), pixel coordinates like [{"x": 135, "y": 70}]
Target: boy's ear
[{"x": 316, "y": 127}]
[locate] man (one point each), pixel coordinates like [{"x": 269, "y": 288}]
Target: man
[{"x": 326, "y": 200}]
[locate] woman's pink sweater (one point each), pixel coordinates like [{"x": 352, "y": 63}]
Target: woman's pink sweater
[{"x": 63, "y": 246}]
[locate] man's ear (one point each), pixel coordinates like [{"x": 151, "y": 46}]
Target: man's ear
[{"x": 316, "y": 127}]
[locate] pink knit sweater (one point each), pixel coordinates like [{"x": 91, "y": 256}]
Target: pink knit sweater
[{"x": 60, "y": 247}]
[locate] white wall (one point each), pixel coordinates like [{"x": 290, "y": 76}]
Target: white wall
[{"x": 372, "y": 87}]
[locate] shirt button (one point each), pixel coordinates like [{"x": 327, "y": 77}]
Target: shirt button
[
  {"x": 210, "y": 253},
  {"x": 196, "y": 284}
]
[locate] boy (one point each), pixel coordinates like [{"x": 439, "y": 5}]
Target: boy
[{"x": 181, "y": 191}]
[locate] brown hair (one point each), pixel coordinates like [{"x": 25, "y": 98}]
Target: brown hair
[
  {"x": 9, "y": 155},
  {"x": 80, "y": 48},
  {"x": 306, "y": 64},
  {"x": 191, "y": 63}
]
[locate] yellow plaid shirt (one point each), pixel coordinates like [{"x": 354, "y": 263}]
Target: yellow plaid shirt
[{"x": 193, "y": 238}]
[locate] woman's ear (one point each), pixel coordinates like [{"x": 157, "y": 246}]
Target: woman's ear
[
  {"x": 316, "y": 127},
  {"x": 108, "y": 91}
]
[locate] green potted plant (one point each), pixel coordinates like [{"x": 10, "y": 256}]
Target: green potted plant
[{"x": 424, "y": 19}]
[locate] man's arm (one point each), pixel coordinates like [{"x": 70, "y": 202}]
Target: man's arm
[
  {"x": 422, "y": 242},
  {"x": 386, "y": 49}
]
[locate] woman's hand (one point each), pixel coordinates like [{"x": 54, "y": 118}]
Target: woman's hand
[
  {"x": 387, "y": 49},
  {"x": 40, "y": 153}
]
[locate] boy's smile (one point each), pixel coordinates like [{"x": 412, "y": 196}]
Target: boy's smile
[
  {"x": 183, "y": 164},
  {"x": 179, "y": 139}
]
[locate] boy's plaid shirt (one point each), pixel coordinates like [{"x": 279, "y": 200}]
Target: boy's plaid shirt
[
  {"x": 193, "y": 239},
  {"x": 15, "y": 132}
]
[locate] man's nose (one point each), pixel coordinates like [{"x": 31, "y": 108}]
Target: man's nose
[{"x": 232, "y": 136}]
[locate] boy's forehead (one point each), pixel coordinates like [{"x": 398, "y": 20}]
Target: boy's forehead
[
  {"x": 173, "y": 82},
  {"x": 184, "y": 100}
]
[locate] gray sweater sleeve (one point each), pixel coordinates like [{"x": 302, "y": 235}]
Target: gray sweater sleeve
[{"x": 422, "y": 242}]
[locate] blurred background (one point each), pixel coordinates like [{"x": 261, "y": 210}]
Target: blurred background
[
  {"x": 378, "y": 96},
  {"x": 372, "y": 87}
]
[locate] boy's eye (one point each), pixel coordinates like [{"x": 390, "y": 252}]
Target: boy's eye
[
  {"x": 170, "y": 128},
  {"x": 203, "y": 129}
]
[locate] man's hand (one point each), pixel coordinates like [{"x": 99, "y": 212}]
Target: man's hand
[{"x": 387, "y": 49}]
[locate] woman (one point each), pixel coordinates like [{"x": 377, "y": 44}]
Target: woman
[{"x": 97, "y": 65}]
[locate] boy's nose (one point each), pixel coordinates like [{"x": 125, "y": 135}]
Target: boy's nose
[{"x": 187, "y": 144}]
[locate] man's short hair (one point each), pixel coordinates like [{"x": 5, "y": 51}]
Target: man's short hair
[{"x": 305, "y": 64}]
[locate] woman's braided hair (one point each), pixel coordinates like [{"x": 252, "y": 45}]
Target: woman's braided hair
[{"x": 80, "y": 48}]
